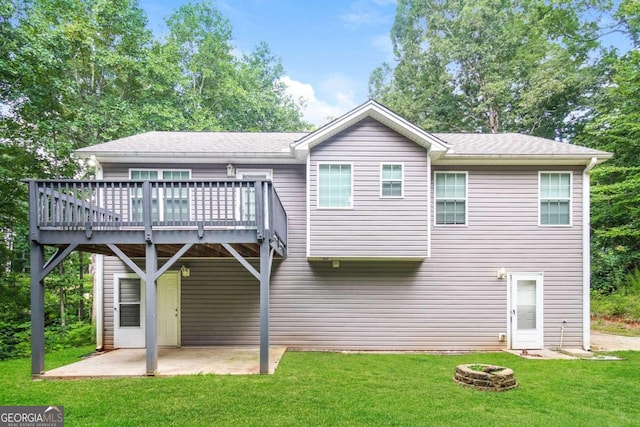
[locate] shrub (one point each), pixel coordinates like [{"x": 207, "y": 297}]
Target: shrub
[{"x": 609, "y": 269}]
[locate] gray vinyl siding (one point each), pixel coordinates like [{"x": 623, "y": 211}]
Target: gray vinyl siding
[
  {"x": 450, "y": 301},
  {"x": 503, "y": 231},
  {"x": 220, "y": 304},
  {"x": 375, "y": 226}
]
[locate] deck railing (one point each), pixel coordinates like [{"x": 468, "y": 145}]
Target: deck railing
[{"x": 122, "y": 205}]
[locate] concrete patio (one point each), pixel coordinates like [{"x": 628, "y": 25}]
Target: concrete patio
[{"x": 221, "y": 360}]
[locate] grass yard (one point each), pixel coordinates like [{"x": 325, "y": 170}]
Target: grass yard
[{"x": 313, "y": 389}]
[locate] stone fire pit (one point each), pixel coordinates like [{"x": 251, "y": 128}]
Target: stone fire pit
[{"x": 485, "y": 377}]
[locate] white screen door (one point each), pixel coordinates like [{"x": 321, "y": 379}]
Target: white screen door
[
  {"x": 169, "y": 309},
  {"x": 526, "y": 311}
]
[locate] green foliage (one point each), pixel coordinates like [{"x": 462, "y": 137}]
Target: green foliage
[
  {"x": 491, "y": 65},
  {"x": 608, "y": 269},
  {"x": 64, "y": 327},
  {"x": 621, "y": 300},
  {"x": 618, "y": 305},
  {"x": 74, "y": 335},
  {"x": 615, "y": 127},
  {"x": 632, "y": 284}
]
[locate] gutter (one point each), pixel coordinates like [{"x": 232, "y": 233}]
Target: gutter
[
  {"x": 187, "y": 157},
  {"x": 586, "y": 254}
]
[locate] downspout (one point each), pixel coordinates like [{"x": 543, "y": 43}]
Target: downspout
[
  {"x": 98, "y": 284},
  {"x": 429, "y": 203},
  {"x": 308, "y": 200},
  {"x": 586, "y": 254}
]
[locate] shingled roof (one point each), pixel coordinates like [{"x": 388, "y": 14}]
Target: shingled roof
[
  {"x": 215, "y": 144},
  {"x": 511, "y": 144},
  {"x": 199, "y": 142},
  {"x": 287, "y": 147}
]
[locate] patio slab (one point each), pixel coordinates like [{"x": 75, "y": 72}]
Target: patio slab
[
  {"x": 540, "y": 354},
  {"x": 131, "y": 362}
]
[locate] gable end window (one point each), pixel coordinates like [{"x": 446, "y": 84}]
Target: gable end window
[
  {"x": 451, "y": 198},
  {"x": 555, "y": 198},
  {"x": 391, "y": 180},
  {"x": 335, "y": 185}
]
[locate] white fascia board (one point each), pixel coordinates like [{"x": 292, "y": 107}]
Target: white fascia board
[
  {"x": 367, "y": 258},
  {"x": 378, "y": 112},
  {"x": 181, "y": 157},
  {"x": 506, "y": 160}
]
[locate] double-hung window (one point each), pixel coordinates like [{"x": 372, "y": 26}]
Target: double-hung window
[
  {"x": 176, "y": 198},
  {"x": 335, "y": 185},
  {"x": 555, "y": 198},
  {"x": 451, "y": 198},
  {"x": 391, "y": 180},
  {"x": 168, "y": 202},
  {"x": 136, "y": 195}
]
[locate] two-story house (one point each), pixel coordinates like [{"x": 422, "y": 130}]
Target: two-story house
[{"x": 366, "y": 234}]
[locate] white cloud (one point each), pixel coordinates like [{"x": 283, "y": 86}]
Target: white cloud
[
  {"x": 366, "y": 12},
  {"x": 338, "y": 100}
]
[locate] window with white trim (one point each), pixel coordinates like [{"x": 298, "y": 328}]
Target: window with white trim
[
  {"x": 335, "y": 185},
  {"x": 129, "y": 302},
  {"x": 391, "y": 180},
  {"x": 171, "y": 204},
  {"x": 555, "y": 198},
  {"x": 451, "y": 198}
]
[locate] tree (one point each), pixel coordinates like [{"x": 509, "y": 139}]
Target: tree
[
  {"x": 218, "y": 91},
  {"x": 490, "y": 65},
  {"x": 77, "y": 75},
  {"x": 615, "y": 127}
]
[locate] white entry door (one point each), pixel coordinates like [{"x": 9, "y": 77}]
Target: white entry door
[
  {"x": 169, "y": 309},
  {"x": 128, "y": 311},
  {"x": 525, "y": 315},
  {"x": 245, "y": 204}
]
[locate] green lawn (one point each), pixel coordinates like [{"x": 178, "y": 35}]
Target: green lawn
[{"x": 311, "y": 389}]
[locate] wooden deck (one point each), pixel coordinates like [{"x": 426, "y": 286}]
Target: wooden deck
[
  {"x": 96, "y": 214},
  {"x": 160, "y": 221}
]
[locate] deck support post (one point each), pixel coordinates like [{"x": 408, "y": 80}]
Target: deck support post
[
  {"x": 265, "y": 276},
  {"x": 37, "y": 310},
  {"x": 151, "y": 309}
]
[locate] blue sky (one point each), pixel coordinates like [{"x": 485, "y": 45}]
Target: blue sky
[{"x": 328, "y": 48}]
